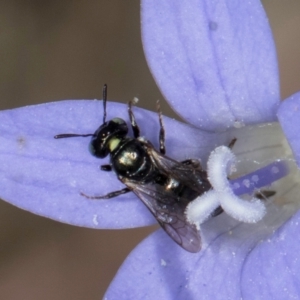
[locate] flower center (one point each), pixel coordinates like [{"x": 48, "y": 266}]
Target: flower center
[{"x": 263, "y": 154}]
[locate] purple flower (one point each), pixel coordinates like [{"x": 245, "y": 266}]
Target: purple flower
[{"x": 215, "y": 63}]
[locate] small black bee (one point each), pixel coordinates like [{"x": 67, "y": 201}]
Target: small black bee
[{"x": 165, "y": 186}]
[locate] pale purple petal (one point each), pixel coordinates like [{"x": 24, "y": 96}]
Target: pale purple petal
[
  {"x": 214, "y": 61},
  {"x": 45, "y": 176},
  {"x": 160, "y": 269},
  {"x": 273, "y": 270},
  {"x": 289, "y": 118}
]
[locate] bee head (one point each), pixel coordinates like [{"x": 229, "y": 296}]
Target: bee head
[{"x": 107, "y": 137}]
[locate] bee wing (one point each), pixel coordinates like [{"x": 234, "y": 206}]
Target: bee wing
[
  {"x": 191, "y": 175},
  {"x": 168, "y": 212}
]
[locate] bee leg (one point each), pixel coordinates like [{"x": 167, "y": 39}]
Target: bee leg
[
  {"x": 260, "y": 195},
  {"x": 217, "y": 212},
  {"x": 192, "y": 162},
  {"x": 264, "y": 195},
  {"x": 109, "y": 195},
  {"x": 231, "y": 144},
  {"x": 134, "y": 126},
  {"x": 106, "y": 168},
  {"x": 162, "y": 147}
]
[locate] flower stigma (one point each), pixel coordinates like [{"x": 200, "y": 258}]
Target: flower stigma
[{"x": 263, "y": 154}]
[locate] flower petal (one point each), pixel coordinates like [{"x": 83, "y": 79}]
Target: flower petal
[
  {"x": 210, "y": 274},
  {"x": 273, "y": 271},
  {"x": 214, "y": 61},
  {"x": 45, "y": 175},
  {"x": 289, "y": 118}
]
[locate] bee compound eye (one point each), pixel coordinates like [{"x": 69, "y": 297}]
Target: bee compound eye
[
  {"x": 118, "y": 121},
  {"x": 92, "y": 149},
  {"x": 117, "y": 127},
  {"x": 98, "y": 149}
]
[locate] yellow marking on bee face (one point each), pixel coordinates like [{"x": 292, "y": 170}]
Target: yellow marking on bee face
[
  {"x": 118, "y": 120},
  {"x": 113, "y": 143}
]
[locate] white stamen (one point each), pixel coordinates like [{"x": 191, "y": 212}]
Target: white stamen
[
  {"x": 219, "y": 161},
  {"x": 202, "y": 207},
  {"x": 218, "y": 165},
  {"x": 245, "y": 211}
]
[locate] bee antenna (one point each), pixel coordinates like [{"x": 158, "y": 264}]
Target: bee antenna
[{"x": 104, "y": 92}]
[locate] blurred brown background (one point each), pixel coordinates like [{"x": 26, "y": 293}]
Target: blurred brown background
[{"x": 66, "y": 50}]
